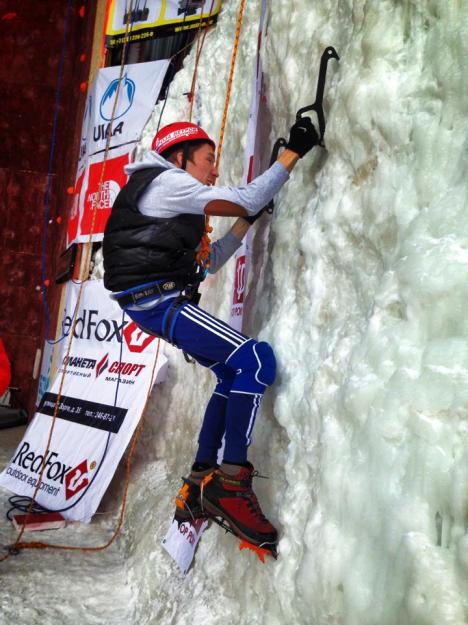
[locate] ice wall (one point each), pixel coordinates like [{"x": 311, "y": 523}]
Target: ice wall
[
  {"x": 363, "y": 281},
  {"x": 360, "y": 283}
]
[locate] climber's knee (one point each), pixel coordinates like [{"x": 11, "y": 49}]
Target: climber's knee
[
  {"x": 267, "y": 370},
  {"x": 255, "y": 367}
]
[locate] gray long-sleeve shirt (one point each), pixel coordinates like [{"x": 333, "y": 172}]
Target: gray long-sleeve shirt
[{"x": 175, "y": 191}]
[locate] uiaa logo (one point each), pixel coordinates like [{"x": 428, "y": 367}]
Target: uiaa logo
[{"x": 125, "y": 93}]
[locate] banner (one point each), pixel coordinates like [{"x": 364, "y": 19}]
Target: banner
[
  {"x": 251, "y": 166},
  {"x": 157, "y": 18},
  {"x": 106, "y": 378},
  {"x": 181, "y": 541},
  {"x": 101, "y": 199},
  {"x": 76, "y": 210},
  {"x": 139, "y": 90}
]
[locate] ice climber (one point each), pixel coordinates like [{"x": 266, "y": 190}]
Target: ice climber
[{"x": 155, "y": 256}]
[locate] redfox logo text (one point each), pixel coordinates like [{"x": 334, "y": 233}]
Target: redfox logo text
[
  {"x": 54, "y": 470},
  {"x": 89, "y": 327}
]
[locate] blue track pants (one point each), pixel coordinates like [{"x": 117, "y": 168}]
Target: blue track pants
[{"x": 244, "y": 368}]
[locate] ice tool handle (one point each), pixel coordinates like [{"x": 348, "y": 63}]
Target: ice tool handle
[{"x": 317, "y": 106}]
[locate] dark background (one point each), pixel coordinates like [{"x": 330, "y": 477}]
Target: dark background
[{"x": 31, "y": 47}]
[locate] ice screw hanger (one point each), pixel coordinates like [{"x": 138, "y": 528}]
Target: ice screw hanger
[{"x": 317, "y": 106}]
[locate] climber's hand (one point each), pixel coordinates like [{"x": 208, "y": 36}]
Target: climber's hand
[
  {"x": 253, "y": 218},
  {"x": 302, "y": 136}
]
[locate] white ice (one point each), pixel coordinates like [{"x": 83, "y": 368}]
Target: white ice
[{"x": 360, "y": 283}]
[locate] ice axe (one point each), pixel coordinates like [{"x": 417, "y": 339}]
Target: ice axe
[{"x": 317, "y": 106}]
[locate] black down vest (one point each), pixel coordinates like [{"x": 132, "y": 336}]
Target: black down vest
[{"x": 139, "y": 249}]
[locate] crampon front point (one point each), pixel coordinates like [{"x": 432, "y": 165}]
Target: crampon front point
[{"x": 261, "y": 550}]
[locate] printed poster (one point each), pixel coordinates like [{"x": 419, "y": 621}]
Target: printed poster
[
  {"x": 127, "y": 102},
  {"x": 101, "y": 199},
  {"x": 156, "y": 18},
  {"x": 119, "y": 108},
  {"x": 107, "y": 375}
]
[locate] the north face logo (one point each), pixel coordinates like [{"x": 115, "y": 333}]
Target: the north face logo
[
  {"x": 136, "y": 339},
  {"x": 76, "y": 479}
]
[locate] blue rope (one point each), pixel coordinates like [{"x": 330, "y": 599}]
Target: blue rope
[{"x": 49, "y": 170}]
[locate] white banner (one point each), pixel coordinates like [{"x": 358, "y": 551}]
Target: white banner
[
  {"x": 86, "y": 125},
  {"x": 139, "y": 89},
  {"x": 106, "y": 378},
  {"x": 181, "y": 541},
  {"x": 243, "y": 254}
]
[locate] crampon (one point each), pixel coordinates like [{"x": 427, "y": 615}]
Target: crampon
[{"x": 261, "y": 550}]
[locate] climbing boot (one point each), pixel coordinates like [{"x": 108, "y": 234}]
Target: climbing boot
[
  {"x": 187, "y": 502},
  {"x": 231, "y": 497}
]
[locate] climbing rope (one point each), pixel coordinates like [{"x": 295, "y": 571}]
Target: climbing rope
[
  {"x": 172, "y": 68},
  {"x": 204, "y": 251},
  {"x": 200, "y": 43},
  {"x": 229, "y": 85}
]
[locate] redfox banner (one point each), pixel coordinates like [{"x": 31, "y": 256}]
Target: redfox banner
[
  {"x": 107, "y": 375},
  {"x": 157, "y": 18}
]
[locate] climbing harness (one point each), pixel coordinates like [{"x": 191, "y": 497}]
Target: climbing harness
[
  {"x": 317, "y": 106},
  {"x": 143, "y": 293}
]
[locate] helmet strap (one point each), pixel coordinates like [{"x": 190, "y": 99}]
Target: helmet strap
[{"x": 185, "y": 155}]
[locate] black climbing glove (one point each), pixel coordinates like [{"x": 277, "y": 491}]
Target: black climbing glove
[
  {"x": 302, "y": 136},
  {"x": 253, "y": 218}
]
